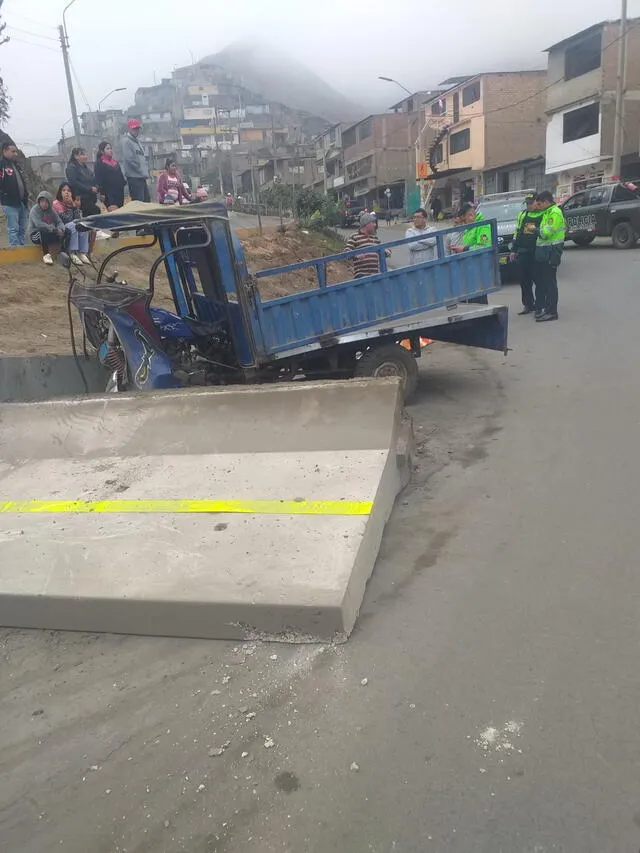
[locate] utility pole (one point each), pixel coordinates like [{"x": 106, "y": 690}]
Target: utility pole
[
  {"x": 618, "y": 127},
  {"x": 294, "y": 198},
  {"x": 253, "y": 193},
  {"x": 67, "y": 71}
]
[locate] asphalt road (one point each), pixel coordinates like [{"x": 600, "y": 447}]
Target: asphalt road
[{"x": 499, "y": 637}]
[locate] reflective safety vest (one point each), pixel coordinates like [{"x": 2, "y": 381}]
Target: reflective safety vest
[
  {"x": 552, "y": 227},
  {"x": 478, "y": 237},
  {"x": 524, "y": 236}
]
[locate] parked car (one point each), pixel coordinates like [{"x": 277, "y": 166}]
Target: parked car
[
  {"x": 505, "y": 208},
  {"x": 605, "y": 210}
]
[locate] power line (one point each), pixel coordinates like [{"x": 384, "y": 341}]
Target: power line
[
  {"x": 31, "y": 20},
  {"x": 540, "y": 91},
  {"x": 75, "y": 77},
  {"x": 30, "y": 33},
  {"x": 449, "y": 115},
  {"x": 33, "y": 44}
]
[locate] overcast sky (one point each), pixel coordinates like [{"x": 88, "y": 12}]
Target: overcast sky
[{"x": 348, "y": 42}]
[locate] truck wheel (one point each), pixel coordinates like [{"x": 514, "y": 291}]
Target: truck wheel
[
  {"x": 624, "y": 236},
  {"x": 390, "y": 360},
  {"x": 585, "y": 240}
]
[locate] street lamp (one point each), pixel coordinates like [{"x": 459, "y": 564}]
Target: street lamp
[
  {"x": 108, "y": 95},
  {"x": 391, "y": 80},
  {"x": 409, "y": 110},
  {"x": 64, "y": 23}
]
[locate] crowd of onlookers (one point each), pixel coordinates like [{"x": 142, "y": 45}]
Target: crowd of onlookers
[
  {"x": 537, "y": 247},
  {"x": 52, "y": 223}
]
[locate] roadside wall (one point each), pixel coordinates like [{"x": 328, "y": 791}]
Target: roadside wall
[{"x": 27, "y": 378}]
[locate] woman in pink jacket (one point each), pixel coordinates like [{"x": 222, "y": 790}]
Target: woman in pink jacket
[{"x": 170, "y": 187}]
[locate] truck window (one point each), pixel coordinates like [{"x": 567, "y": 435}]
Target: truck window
[
  {"x": 621, "y": 193},
  {"x": 578, "y": 200},
  {"x": 597, "y": 195}
]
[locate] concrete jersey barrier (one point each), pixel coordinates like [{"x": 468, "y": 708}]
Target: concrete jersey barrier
[
  {"x": 42, "y": 377},
  {"x": 227, "y": 513}
]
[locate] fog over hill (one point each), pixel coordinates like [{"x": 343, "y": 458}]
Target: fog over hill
[{"x": 279, "y": 77}]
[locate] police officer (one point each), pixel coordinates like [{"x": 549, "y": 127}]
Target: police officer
[
  {"x": 550, "y": 233},
  {"x": 477, "y": 237},
  {"x": 523, "y": 250}
]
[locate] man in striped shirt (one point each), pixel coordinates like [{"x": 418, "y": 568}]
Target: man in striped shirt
[{"x": 368, "y": 264}]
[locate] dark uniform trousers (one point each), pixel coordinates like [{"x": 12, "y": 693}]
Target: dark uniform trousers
[
  {"x": 526, "y": 264},
  {"x": 545, "y": 276}
]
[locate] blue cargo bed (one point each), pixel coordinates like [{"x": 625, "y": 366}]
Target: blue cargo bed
[{"x": 359, "y": 309}]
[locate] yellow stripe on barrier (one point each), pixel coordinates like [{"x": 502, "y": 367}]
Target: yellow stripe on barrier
[{"x": 259, "y": 507}]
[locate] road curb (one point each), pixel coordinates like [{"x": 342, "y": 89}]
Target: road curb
[{"x": 26, "y": 254}]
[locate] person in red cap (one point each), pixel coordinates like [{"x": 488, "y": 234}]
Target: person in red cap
[{"x": 136, "y": 168}]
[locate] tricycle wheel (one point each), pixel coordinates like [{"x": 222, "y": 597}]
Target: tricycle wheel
[{"x": 390, "y": 360}]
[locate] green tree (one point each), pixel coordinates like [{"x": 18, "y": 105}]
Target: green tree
[{"x": 311, "y": 207}]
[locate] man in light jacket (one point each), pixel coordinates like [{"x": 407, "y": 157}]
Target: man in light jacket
[
  {"x": 421, "y": 250},
  {"x": 136, "y": 168}
]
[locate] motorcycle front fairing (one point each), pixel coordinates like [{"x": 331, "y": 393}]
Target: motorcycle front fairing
[{"x": 127, "y": 310}]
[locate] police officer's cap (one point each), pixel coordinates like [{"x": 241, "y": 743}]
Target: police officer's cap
[{"x": 530, "y": 197}]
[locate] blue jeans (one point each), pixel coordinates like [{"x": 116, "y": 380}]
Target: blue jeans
[
  {"x": 78, "y": 240},
  {"x": 16, "y": 223}
]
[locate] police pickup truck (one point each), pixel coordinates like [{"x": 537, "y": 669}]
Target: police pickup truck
[{"x": 605, "y": 210}]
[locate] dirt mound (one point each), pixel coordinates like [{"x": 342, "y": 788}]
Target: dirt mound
[
  {"x": 33, "y": 306},
  {"x": 276, "y": 250}
]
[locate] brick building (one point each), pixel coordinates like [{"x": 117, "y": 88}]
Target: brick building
[
  {"x": 484, "y": 133},
  {"x": 378, "y": 152},
  {"x": 580, "y": 106}
]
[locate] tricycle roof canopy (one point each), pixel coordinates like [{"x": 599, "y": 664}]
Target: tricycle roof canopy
[{"x": 139, "y": 214}]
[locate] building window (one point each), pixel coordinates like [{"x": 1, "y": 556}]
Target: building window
[
  {"x": 360, "y": 168},
  {"x": 471, "y": 94},
  {"x": 460, "y": 141},
  {"x": 365, "y": 129},
  {"x": 583, "y": 57},
  {"x": 439, "y": 107},
  {"x": 585, "y": 121},
  {"x": 349, "y": 138},
  {"x": 438, "y": 153}
]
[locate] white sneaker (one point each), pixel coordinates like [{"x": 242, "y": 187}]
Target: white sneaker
[
  {"x": 103, "y": 235},
  {"x": 76, "y": 259},
  {"x": 48, "y": 259},
  {"x": 84, "y": 259}
]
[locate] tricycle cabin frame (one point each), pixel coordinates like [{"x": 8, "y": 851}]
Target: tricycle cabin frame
[{"x": 209, "y": 281}]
